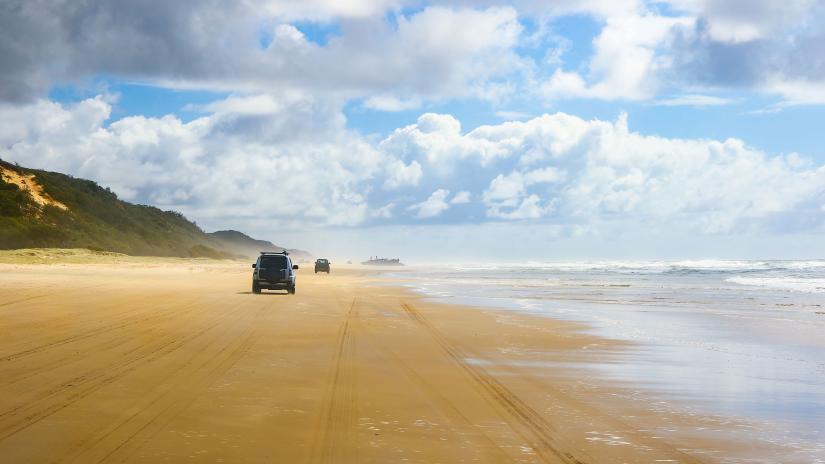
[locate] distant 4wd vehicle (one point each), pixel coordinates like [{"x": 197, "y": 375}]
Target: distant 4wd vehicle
[
  {"x": 274, "y": 271},
  {"x": 321, "y": 265}
]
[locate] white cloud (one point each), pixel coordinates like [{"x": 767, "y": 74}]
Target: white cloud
[
  {"x": 384, "y": 212},
  {"x": 543, "y": 8},
  {"x": 299, "y": 166},
  {"x": 21, "y": 124},
  {"x": 694, "y": 100},
  {"x": 739, "y": 21},
  {"x": 528, "y": 208},
  {"x": 538, "y": 176},
  {"x": 432, "y": 206},
  {"x": 597, "y": 172},
  {"x": 510, "y": 114},
  {"x": 626, "y": 64},
  {"x": 435, "y": 53},
  {"x": 391, "y": 59},
  {"x": 564, "y": 84},
  {"x": 262, "y": 104},
  {"x": 436, "y": 140},
  {"x": 326, "y": 9},
  {"x": 390, "y": 103},
  {"x": 292, "y": 166},
  {"x": 402, "y": 175},
  {"x": 796, "y": 91},
  {"x": 394, "y": 58},
  {"x": 508, "y": 197},
  {"x": 460, "y": 198},
  {"x": 709, "y": 186},
  {"x": 505, "y": 190},
  {"x": 702, "y": 45}
]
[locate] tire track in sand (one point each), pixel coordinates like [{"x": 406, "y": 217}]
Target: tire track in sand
[
  {"x": 449, "y": 410},
  {"x": 25, "y": 415},
  {"x": 336, "y": 430},
  {"x": 523, "y": 419},
  {"x": 134, "y": 317},
  {"x": 131, "y": 434},
  {"x": 46, "y": 294},
  {"x": 32, "y": 369},
  {"x": 126, "y": 356}
]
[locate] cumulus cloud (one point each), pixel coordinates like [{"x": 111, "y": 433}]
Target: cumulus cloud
[
  {"x": 446, "y": 50},
  {"x": 437, "y": 52},
  {"x": 401, "y": 175},
  {"x": 436, "y": 140},
  {"x": 461, "y": 198},
  {"x": 432, "y": 206},
  {"x": 627, "y": 63},
  {"x": 745, "y": 20},
  {"x": 384, "y": 212},
  {"x": 507, "y": 196},
  {"x": 289, "y": 161},
  {"x": 591, "y": 172},
  {"x": 288, "y": 166},
  {"x": 759, "y": 46}
]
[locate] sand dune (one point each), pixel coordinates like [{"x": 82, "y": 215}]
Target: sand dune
[
  {"x": 28, "y": 183},
  {"x": 177, "y": 361}
]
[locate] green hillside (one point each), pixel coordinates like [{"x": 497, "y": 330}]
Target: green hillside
[{"x": 47, "y": 209}]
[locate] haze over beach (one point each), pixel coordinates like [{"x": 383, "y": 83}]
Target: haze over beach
[{"x": 610, "y": 215}]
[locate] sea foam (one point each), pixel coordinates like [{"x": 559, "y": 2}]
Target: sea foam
[{"x": 792, "y": 284}]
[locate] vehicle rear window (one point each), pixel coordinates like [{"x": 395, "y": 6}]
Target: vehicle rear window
[{"x": 274, "y": 262}]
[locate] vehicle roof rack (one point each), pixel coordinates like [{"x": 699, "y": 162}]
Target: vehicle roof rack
[{"x": 284, "y": 252}]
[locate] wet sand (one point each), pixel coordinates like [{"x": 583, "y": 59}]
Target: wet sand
[{"x": 176, "y": 360}]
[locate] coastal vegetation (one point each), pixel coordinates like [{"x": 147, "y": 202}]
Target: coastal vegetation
[{"x": 42, "y": 209}]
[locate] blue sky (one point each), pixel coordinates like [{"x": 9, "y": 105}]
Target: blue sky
[
  {"x": 750, "y": 116},
  {"x": 793, "y": 129},
  {"x": 689, "y": 123}
]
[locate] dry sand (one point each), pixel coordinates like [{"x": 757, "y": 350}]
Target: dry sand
[{"x": 175, "y": 360}]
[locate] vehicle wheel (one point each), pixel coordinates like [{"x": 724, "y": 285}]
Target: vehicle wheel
[
  {"x": 256, "y": 288},
  {"x": 291, "y": 290}
]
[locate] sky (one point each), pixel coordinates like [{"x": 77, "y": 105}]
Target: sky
[{"x": 438, "y": 131}]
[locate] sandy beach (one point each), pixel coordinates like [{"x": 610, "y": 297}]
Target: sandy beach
[
  {"x": 126, "y": 360},
  {"x": 565, "y": 232}
]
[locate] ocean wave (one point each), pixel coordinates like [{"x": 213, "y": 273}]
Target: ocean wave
[
  {"x": 793, "y": 284},
  {"x": 653, "y": 267}
]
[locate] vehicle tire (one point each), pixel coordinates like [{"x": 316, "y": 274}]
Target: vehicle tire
[
  {"x": 256, "y": 288},
  {"x": 291, "y": 290}
]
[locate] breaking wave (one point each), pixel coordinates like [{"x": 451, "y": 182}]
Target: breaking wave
[{"x": 792, "y": 284}]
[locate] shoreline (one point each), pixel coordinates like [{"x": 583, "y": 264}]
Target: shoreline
[
  {"x": 798, "y": 431},
  {"x": 459, "y": 367},
  {"x": 769, "y": 442}
]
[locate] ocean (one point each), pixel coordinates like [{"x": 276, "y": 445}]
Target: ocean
[{"x": 744, "y": 339}]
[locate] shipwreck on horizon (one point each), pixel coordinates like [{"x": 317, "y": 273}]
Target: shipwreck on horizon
[{"x": 376, "y": 261}]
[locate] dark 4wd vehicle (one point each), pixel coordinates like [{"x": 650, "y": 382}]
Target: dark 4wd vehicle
[
  {"x": 321, "y": 265},
  {"x": 274, "y": 271}
]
